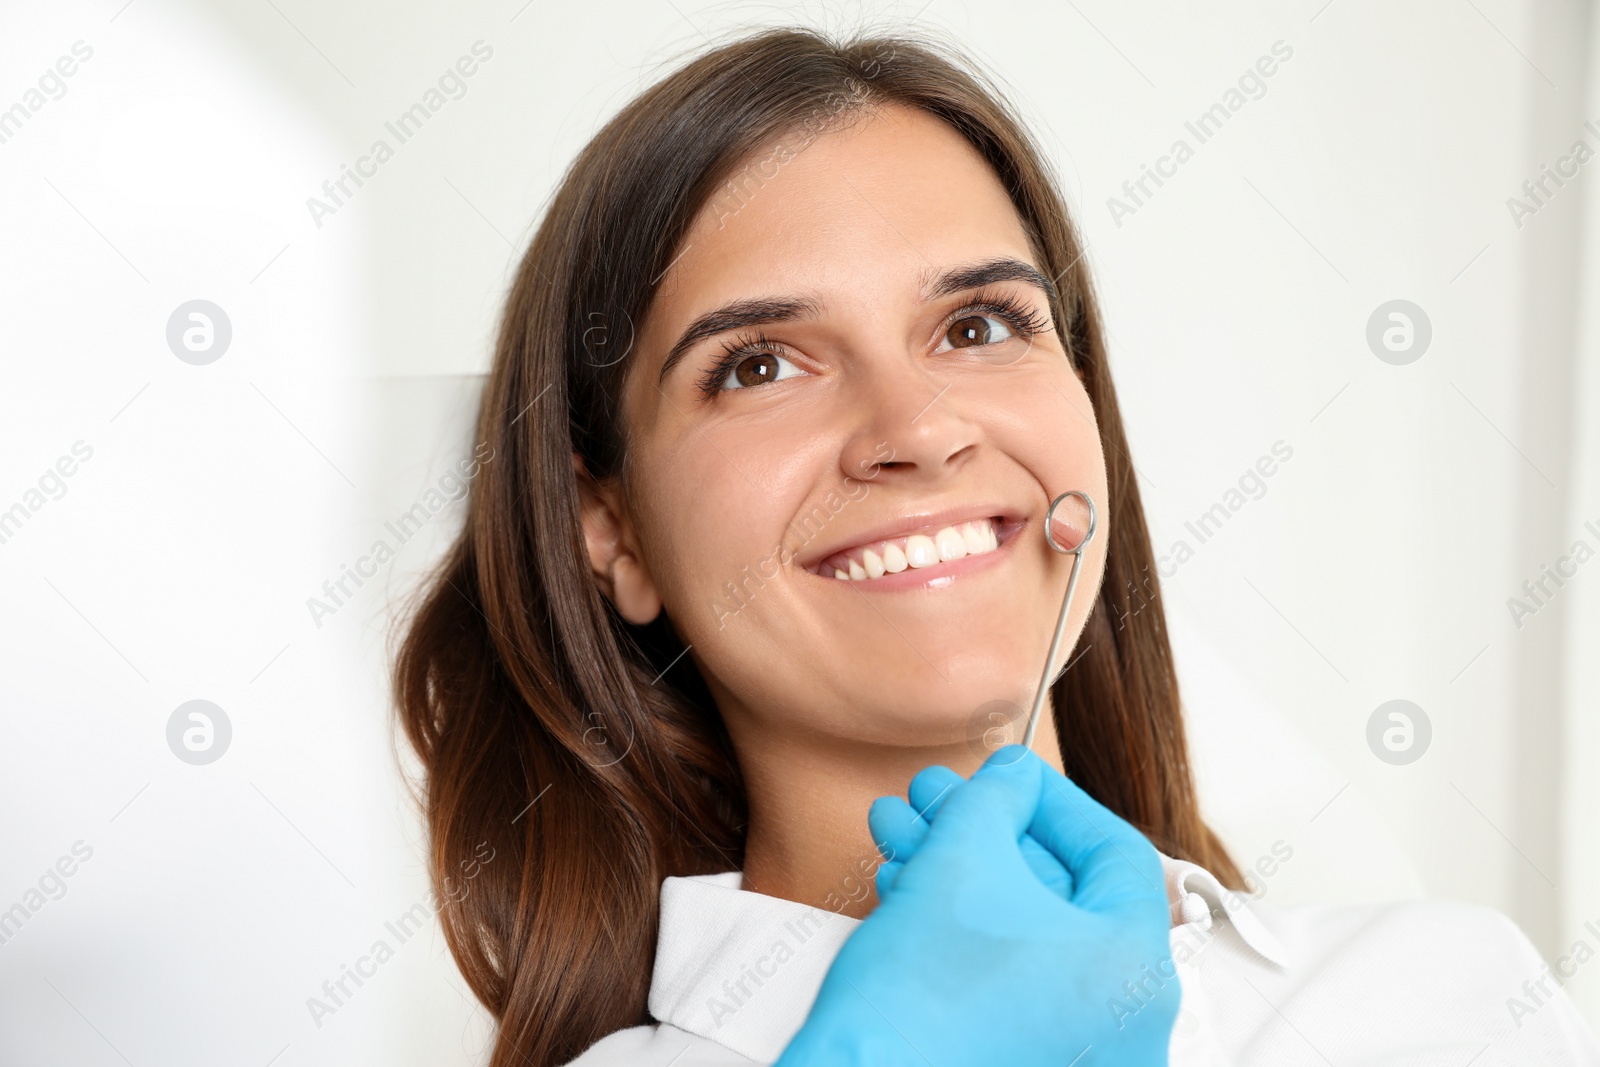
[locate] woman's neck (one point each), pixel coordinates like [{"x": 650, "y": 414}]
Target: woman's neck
[{"x": 808, "y": 839}]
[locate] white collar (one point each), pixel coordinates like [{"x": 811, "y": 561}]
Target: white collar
[{"x": 742, "y": 969}]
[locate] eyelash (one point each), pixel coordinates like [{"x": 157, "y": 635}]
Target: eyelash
[{"x": 1025, "y": 319}]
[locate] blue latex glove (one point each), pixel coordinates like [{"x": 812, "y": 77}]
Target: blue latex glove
[
  {"x": 899, "y": 829},
  {"x": 972, "y": 958}
]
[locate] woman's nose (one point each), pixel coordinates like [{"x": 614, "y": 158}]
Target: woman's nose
[{"x": 915, "y": 419}]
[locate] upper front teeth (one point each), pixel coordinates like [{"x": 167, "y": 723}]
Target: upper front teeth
[{"x": 918, "y": 550}]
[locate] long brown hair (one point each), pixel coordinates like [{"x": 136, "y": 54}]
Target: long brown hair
[{"x": 586, "y": 752}]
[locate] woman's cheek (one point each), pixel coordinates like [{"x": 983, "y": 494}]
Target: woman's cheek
[
  {"x": 719, "y": 558},
  {"x": 1048, "y": 427}
]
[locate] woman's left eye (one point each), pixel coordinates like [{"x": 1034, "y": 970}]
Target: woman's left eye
[
  {"x": 758, "y": 368},
  {"x": 971, "y": 331}
]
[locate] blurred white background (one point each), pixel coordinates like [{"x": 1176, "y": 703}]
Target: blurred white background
[{"x": 175, "y": 163}]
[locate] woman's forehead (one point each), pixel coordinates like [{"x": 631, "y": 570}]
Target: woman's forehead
[{"x": 870, "y": 211}]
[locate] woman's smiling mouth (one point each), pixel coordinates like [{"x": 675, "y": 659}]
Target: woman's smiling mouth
[{"x": 920, "y": 553}]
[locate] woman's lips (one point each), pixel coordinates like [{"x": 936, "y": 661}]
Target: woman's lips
[{"x": 921, "y": 556}]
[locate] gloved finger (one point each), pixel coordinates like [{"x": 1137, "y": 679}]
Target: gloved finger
[
  {"x": 996, "y": 804},
  {"x": 1113, "y": 866},
  {"x": 927, "y": 792},
  {"x": 897, "y": 828},
  {"x": 885, "y": 877},
  {"x": 1047, "y": 868},
  {"x": 929, "y": 788}
]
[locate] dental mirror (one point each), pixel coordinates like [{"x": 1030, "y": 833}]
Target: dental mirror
[{"x": 1068, "y": 527}]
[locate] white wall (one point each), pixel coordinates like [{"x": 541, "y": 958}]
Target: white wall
[{"x": 1377, "y": 564}]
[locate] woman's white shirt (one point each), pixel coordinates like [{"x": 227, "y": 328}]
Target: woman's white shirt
[{"x": 1423, "y": 982}]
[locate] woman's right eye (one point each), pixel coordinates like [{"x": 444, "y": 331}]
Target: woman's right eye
[{"x": 758, "y": 368}]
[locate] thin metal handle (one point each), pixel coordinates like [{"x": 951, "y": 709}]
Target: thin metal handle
[{"x": 1066, "y": 606}]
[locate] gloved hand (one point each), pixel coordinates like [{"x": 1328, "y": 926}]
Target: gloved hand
[
  {"x": 899, "y": 829},
  {"x": 978, "y": 955}
]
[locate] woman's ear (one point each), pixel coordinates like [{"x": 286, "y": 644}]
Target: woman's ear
[{"x": 614, "y": 558}]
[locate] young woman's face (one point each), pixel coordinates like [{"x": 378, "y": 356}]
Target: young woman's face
[{"x": 879, "y": 414}]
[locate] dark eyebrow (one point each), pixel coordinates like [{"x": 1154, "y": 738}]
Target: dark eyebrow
[
  {"x": 735, "y": 316},
  {"x": 761, "y": 311},
  {"x": 990, "y": 271}
]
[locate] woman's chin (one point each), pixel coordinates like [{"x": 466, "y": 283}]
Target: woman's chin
[{"x": 981, "y": 721}]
